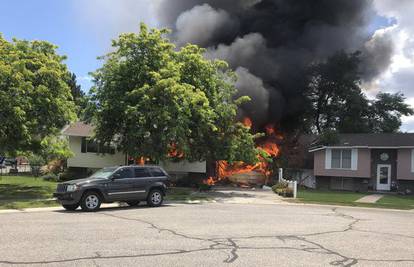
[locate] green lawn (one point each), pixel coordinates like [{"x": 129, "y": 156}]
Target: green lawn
[
  {"x": 328, "y": 197},
  {"x": 349, "y": 198},
  {"x": 396, "y": 202},
  {"x": 17, "y": 192},
  {"x": 184, "y": 194}
]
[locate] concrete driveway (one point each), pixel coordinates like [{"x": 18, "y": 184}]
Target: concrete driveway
[{"x": 210, "y": 234}]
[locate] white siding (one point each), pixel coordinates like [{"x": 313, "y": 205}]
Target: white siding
[
  {"x": 96, "y": 161},
  {"x": 92, "y": 160},
  {"x": 185, "y": 167}
]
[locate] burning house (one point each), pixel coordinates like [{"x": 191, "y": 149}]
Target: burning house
[{"x": 269, "y": 44}]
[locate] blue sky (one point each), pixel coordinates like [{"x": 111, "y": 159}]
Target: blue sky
[{"x": 81, "y": 31}]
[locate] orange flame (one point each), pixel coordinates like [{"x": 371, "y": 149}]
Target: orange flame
[
  {"x": 247, "y": 122},
  {"x": 269, "y": 146},
  {"x": 174, "y": 153},
  {"x": 270, "y": 129},
  {"x": 209, "y": 181}
]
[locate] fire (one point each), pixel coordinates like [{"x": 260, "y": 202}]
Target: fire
[
  {"x": 174, "y": 153},
  {"x": 270, "y": 129},
  {"x": 268, "y": 145},
  {"x": 247, "y": 122},
  {"x": 209, "y": 181},
  {"x": 140, "y": 161}
]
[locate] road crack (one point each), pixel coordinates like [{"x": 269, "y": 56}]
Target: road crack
[{"x": 233, "y": 245}]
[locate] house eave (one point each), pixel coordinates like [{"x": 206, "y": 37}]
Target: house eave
[{"x": 312, "y": 150}]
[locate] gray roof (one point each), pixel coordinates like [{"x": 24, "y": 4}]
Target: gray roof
[
  {"x": 391, "y": 140},
  {"x": 79, "y": 129}
]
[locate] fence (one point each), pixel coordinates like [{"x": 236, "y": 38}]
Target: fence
[
  {"x": 292, "y": 184},
  {"x": 17, "y": 169}
]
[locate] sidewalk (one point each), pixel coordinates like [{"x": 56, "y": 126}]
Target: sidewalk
[{"x": 370, "y": 198}]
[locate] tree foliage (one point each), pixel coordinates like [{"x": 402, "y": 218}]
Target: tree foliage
[
  {"x": 154, "y": 100},
  {"x": 78, "y": 95},
  {"x": 35, "y": 100},
  {"x": 337, "y": 102}
]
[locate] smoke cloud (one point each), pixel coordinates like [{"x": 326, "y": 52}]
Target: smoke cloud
[{"x": 270, "y": 43}]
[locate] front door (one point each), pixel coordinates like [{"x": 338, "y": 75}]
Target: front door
[
  {"x": 122, "y": 185},
  {"x": 384, "y": 177}
]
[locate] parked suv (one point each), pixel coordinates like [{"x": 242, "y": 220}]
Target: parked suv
[{"x": 130, "y": 184}]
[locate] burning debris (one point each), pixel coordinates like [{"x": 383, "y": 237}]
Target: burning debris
[{"x": 245, "y": 174}]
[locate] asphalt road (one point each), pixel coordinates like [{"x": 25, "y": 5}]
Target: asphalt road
[{"x": 213, "y": 234}]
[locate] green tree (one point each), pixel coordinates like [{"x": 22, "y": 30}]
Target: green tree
[
  {"x": 386, "y": 112},
  {"x": 337, "y": 102},
  {"x": 35, "y": 100},
  {"x": 153, "y": 99},
  {"x": 78, "y": 95}
]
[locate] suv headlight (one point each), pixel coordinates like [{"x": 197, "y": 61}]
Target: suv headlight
[{"x": 72, "y": 188}]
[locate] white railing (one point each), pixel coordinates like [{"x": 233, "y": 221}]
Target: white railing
[{"x": 291, "y": 184}]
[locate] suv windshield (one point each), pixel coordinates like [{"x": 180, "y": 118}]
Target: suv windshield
[{"x": 104, "y": 173}]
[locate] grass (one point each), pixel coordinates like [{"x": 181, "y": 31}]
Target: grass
[
  {"x": 18, "y": 192},
  {"x": 328, "y": 197},
  {"x": 349, "y": 198},
  {"x": 396, "y": 202},
  {"x": 184, "y": 194}
]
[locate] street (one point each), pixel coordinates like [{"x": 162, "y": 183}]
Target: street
[{"x": 211, "y": 234}]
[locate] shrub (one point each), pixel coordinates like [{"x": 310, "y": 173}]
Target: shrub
[
  {"x": 50, "y": 177},
  {"x": 288, "y": 192},
  {"x": 36, "y": 162},
  {"x": 204, "y": 187},
  {"x": 67, "y": 175},
  {"x": 279, "y": 185}
]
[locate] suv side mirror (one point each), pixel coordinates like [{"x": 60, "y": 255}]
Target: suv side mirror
[{"x": 115, "y": 176}]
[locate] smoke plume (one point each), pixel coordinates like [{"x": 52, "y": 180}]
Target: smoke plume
[{"x": 270, "y": 43}]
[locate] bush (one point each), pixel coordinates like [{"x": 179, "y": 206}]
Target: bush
[
  {"x": 282, "y": 189},
  {"x": 67, "y": 176},
  {"x": 279, "y": 185},
  {"x": 36, "y": 162},
  {"x": 50, "y": 177}
]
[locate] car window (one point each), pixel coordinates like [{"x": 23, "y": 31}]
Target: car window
[
  {"x": 124, "y": 173},
  {"x": 103, "y": 173},
  {"x": 157, "y": 172},
  {"x": 142, "y": 172}
]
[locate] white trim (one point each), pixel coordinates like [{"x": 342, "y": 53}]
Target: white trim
[
  {"x": 328, "y": 159},
  {"x": 412, "y": 160},
  {"x": 354, "y": 159},
  {"x": 129, "y": 192},
  {"x": 353, "y": 147}
]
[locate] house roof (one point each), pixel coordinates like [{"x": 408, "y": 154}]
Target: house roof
[
  {"x": 378, "y": 140},
  {"x": 78, "y": 129}
]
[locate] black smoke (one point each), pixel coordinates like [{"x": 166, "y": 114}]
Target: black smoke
[{"x": 270, "y": 43}]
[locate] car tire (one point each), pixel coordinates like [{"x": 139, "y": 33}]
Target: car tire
[
  {"x": 155, "y": 198},
  {"x": 91, "y": 201},
  {"x": 133, "y": 203},
  {"x": 70, "y": 207}
]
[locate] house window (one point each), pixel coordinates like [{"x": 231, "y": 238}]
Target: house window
[
  {"x": 341, "y": 159},
  {"x": 91, "y": 146}
]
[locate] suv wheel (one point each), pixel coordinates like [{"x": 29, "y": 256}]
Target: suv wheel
[
  {"x": 70, "y": 207},
  {"x": 91, "y": 201},
  {"x": 132, "y": 203},
  {"x": 155, "y": 198}
]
